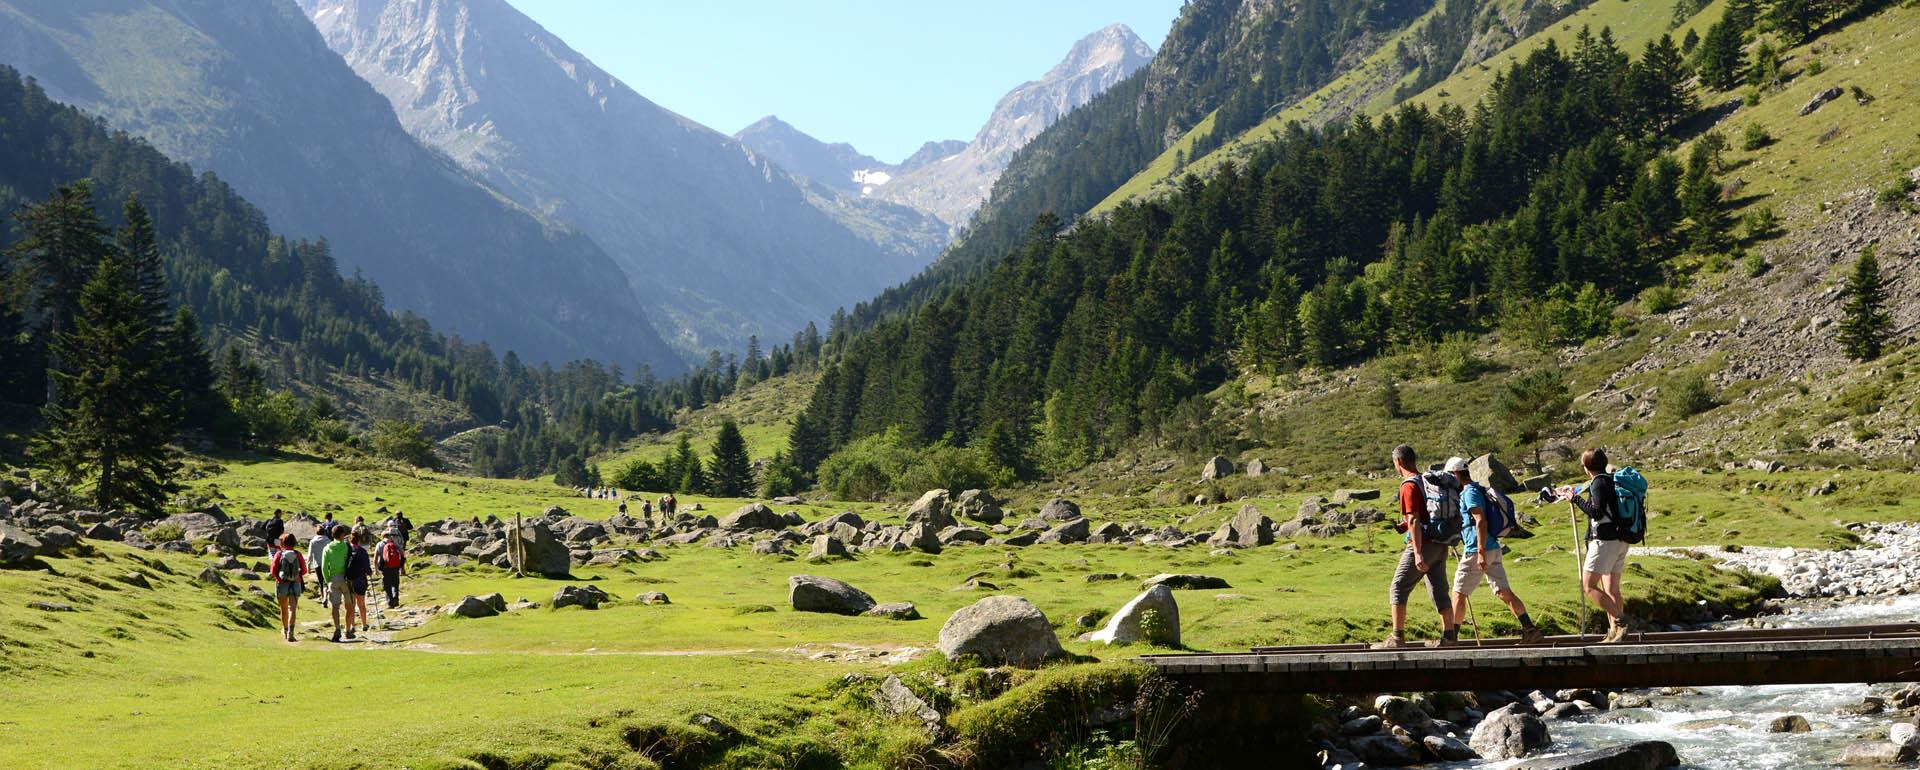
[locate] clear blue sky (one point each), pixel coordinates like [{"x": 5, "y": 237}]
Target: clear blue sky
[{"x": 885, "y": 75}]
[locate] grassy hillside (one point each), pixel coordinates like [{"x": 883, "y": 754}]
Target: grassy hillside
[{"x": 764, "y": 412}]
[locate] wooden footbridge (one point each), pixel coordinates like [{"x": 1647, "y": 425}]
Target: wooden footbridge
[{"x": 1837, "y": 654}]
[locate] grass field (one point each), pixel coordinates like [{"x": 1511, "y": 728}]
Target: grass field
[{"x": 175, "y": 676}]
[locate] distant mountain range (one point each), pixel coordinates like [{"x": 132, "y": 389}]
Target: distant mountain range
[
  {"x": 950, "y": 179},
  {"x": 250, "y": 91}
]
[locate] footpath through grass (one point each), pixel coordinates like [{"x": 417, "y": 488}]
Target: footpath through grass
[{"x": 175, "y": 676}]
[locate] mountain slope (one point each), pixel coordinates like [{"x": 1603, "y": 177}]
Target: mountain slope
[
  {"x": 836, "y": 165},
  {"x": 954, "y": 186},
  {"x": 721, "y": 242},
  {"x": 248, "y": 90}
]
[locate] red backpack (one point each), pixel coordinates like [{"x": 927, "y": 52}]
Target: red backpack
[{"x": 390, "y": 554}]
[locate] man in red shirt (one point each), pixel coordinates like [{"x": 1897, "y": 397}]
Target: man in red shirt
[{"x": 1425, "y": 557}]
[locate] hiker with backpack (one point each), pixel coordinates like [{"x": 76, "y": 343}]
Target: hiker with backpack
[
  {"x": 392, "y": 559},
  {"x": 333, "y": 569},
  {"x": 1486, "y": 515},
  {"x": 1429, "y": 515},
  {"x": 322, "y": 537},
  {"x": 359, "y": 580},
  {"x": 1615, "y": 505},
  {"x": 276, "y": 527},
  {"x": 289, "y": 577}
]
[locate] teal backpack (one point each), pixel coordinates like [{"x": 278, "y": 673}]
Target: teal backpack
[{"x": 1630, "y": 510}]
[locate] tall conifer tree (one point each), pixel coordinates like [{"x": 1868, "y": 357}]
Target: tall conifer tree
[
  {"x": 1864, "y": 324},
  {"x": 732, "y": 470}
]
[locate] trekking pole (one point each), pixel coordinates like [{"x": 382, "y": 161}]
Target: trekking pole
[{"x": 1579, "y": 557}]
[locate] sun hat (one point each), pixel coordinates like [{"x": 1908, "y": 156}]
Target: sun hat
[{"x": 1456, "y": 465}]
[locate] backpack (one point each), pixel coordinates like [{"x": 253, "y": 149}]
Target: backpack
[
  {"x": 1442, "y": 491},
  {"x": 1630, "y": 504},
  {"x": 390, "y": 554},
  {"x": 1501, "y": 520},
  {"x": 287, "y": 570}
]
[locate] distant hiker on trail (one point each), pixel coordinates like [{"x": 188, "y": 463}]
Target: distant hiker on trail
[
  {"x": 406, "y": 529},
  {"x": 646, "y": 509},
  {"x": 359, "y": 579},
  {"x": 289, "y": 575},
  {"x": 333, "y": 569},
  {"x": 391, "y": 557},
  {"x": 322, "y": 537},
  {"x": 1615, "y": 507},
  {"x": 1484, "y": 516},
  {"x": 276, "y": 527},
  {"x": 623, "y": 508},
  {"x": 1425, "y": 556}
]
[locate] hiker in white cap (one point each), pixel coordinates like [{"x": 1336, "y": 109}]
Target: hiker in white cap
[{"x": 1485, "y": 515}]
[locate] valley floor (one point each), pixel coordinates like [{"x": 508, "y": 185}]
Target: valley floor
[{"x": 173, "y": 675}]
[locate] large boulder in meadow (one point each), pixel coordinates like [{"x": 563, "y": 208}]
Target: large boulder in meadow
[
  {"x": 16, "y": 545},
  {"x": 1247, "y": 529},
  {"x": 1152, "y": 617},
  {"x": 812, "y": 593},
  {"x": 932, "y": 510},
  {"x": 1002, "y": 631},
  {"x": 753, "y": 516},
  {"x": 1216, "y": 468},
  {"x": 471, "y": 607},
  {"x": 1492, "y": 474},
  {"x": 584, "y": 597},
  {"x": 978, "y": 505},
  {"x": 1059, "y": 509},
  {"x": 544, "y": 554},
  {"x": 1075, "y": 531}
]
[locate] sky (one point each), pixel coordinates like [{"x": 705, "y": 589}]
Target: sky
[{"x": 884, "y": 75}]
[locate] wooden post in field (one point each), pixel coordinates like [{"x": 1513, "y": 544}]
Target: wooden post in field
[{"x": 517, "y": 547}]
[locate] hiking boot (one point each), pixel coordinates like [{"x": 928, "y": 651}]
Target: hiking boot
[
  {"x": 349, "y": 633},
  {"x": 1532, "y": 635},
  {"x": 1392, "y": 642},
  {"x": 1443, "y": 642},
  {"x": 336, "y": 636},
  {"x": 1615, "y": 635}
]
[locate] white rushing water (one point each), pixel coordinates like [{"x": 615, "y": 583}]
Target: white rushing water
[{"x": 1725, "y": 728}]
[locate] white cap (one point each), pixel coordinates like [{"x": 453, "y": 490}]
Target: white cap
[{"x": 1456, "y": 464}]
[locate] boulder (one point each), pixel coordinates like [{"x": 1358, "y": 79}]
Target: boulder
[
  {"x": 1059, "y": 509},
  {"x": 1075, "y": 531},
  {"x": 1107, "y": 533},
  {"x": 16, "y": 545},
  {"x": 771, "y": 548},
  {"x": 1536, "y": 483},
  {"x": 977, "y": 505},
  {"x": 584, "y": 597},
  {"x": 1256, "y": 468},
  {"x": 810, "y": 593},
  {"x": 931, "y": 509},
  {"x": 213, "y": 576},
  {"x": 788, "y": 500},
  {"x": 1365, "y": 724},
  {"x": 1247, "y": 529},
  {"x": 921, "y": 537},
  {"x": 1492, "y": 474},
  {"x": 1216, "y": 468},
  {"x": 1001, "y": 630},
  {"x": 753, "y": 516},
  {"x": 496, "y": 600},
  {"x": 1185, "y": 582},
  {"x": 471, "y": 607},
  {"x": 1644, "y": 755},
  {"x": 105, "y": 531},
  {"x": 952, "y": 535},
  {"x": 894, "y": 611},
  {"x": 1404, "y": 713},
  {"x": 895, "y": 700},
  {"x": 1791, "y": 723},
  {"x": 544, "y": 554},
  {"x": 826, "y": 547},
  {"x": 1385, "y": 751},
  {"x": 1345, "y": 496},
  {"x": 1448, "y": 749},
  {"x": 653, "y": 597},
  {"x": 1819, "y": 100},
  {"x": 1871, "y": 754},
  {"x": 1128, "y": 625},
  {"x": 436, "y": 544},
  {"x": 1509, "y": 732}
]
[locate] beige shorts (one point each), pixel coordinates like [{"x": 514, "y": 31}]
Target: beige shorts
[
  {"x": 1606, "y": 557},
  {"x": 1467, "y": 577}
]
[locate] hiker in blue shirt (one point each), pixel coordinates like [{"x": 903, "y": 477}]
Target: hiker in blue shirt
[{"x": 1481, "y": 553}]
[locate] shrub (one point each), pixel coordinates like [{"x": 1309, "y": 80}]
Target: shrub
[
  {"x": 1458, "y": 358},
  {"x": 1761, "y": 223},
  {"x": 1756, "y": 265},
  {"x": 640, "y": 476},
  {"x": 1688, "y": 395},
  {"x": 865, "y": 470},
  {"x": 1898, "y": 194},
  {"x": 1661, "y": 299},
  {"x": 944, "y": 466},
  {"x": 1389, "y": 398},
  {"x": 402, "y": 441},
  {"x": 165, "y": 533},
  {"x": 1754, "y": 137}
]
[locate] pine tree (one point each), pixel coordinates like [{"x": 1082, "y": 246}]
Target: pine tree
[
  {"x": 1534, "y": 404},
  {"x": 732, "y": 470},
  {"x": 1865, "y": 324},
  {"x": 114, "y": 414},
  {"x": 683, "y": 467},
  {"x": 64, "y": 245},
  {"x": 190, "y": 370},
  {"x": 140, "y": 249},
  {"x": 1721, "y": 57},
  {"x": 20, "y": 375},
  {"x": 807, "y": 444}
]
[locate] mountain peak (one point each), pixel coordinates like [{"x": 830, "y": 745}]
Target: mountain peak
[{"x": 1113, "y": 46}]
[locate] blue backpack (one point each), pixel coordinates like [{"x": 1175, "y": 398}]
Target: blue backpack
[
  {"x": 1501, "y": 519},
  {"x": 1630, "y": 509}
]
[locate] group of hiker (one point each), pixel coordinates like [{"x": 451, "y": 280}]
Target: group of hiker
[
  {"x": 668, "y": 504},
  {"x": 342, "y": 566},
  {"x": 1448, "y": 507}
]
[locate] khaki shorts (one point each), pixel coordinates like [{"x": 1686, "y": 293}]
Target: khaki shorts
[
  {"x": 1467, "y": 577},
  {"x": 1606, "y": 557},
  {"x": 338, "y": 592}
]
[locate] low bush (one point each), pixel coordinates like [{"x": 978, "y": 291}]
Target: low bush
[{"x": 1687, "y": 395}]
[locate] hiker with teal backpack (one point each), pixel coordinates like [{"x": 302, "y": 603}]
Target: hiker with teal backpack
[
  {"x": 1430, "y": 519},
  {"x": 289, "y": 574},
  {"x": 1615, "y": 505},
  {"x": 1486, "y": 515}
]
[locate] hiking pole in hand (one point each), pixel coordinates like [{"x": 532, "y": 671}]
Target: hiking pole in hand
[{"x": 1579, "y": 558}]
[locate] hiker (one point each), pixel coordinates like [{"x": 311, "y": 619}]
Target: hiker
[
  {"x": 276, "y": 527},
  {"x": 623, "y": 508},
  {"x": 406, "y": 528},
  {"x": 289, "y": 576},
  {"x": 359, "y": 580},
  {"x": 1425, "y": 556},
  {"x": 391, "y": 557},
  {"x": 1480, "y": 530},
  {"x": 1608, "y": 537},
  {"x": 322, "y": 537},
  {"x": 333, "y": 570}
]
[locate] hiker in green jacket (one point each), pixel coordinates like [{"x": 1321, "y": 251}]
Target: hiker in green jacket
[{"x": 333, "y": 564}]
